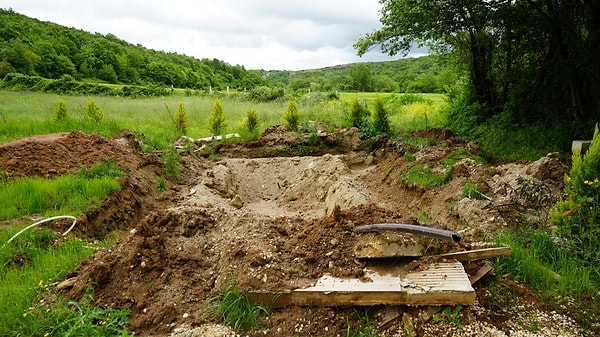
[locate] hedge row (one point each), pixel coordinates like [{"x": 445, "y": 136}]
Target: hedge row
[{"x": 66, "y": 85}]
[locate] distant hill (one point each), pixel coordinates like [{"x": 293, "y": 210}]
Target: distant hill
[
  {"x": 33, "y": 47},
  {"x": 424, "y": 74},
  {"x": 37, "y": 48}
]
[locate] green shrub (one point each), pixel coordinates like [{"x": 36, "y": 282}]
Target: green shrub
[
  {"x": 171, "y": 161},
  {"x": 251, "y": 121},
  {"x": 265, "y": 94},
  {"x": 357, "y": 115},
  {"x": 60, "y": 110},
  {"x": 292, "y": 116},
  {"x": 578, "y": 216},
  {"x": 181, "y": 121},
  {"x": 216, "y": 120},
  {"x": 93, "y": 111},
  {"x": 379, "y": 118}
]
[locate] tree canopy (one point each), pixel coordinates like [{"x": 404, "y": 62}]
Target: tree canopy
[
  {"x": 32, "y": 47},
  {"x": 536, "y": 58}
]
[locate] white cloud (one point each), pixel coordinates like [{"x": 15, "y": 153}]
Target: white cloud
[{"x": 258, "y": 34}]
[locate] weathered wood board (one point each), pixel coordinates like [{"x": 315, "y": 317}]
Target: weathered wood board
[
  {"x": 478, "y": 254},
  {"x": 444, "y": 283}
]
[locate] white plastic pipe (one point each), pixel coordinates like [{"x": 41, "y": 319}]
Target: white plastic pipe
[{"x": 43, "y": 221}]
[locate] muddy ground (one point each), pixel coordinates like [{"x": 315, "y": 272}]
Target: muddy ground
[{"x": 278, "y": 213}]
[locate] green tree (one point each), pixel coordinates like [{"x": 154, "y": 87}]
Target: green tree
[
  {"x": 361, "y": 77},
  {"x": 357, "y": 114},
  {"x": 93, "y": 112},
  {"x": 292, "y": 116},
  {"x": 216, "y": 120},
  {"x": 60, "y": 110},
  {"x": 379, "y": 118},
  {"x": 6, "y": 68},
  {"x": 251, "y": 121},
  {"x": 181, "y": 121},
  {"x": 20, "y": 57},
  {"x": 536, "y": 57}
]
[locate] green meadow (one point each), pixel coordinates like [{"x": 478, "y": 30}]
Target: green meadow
[{"x": 30, "y": 113}]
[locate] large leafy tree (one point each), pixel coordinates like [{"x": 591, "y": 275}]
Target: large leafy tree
[
  {"x": 361, "y": 77},
  {"x": 540, "y": 55}
]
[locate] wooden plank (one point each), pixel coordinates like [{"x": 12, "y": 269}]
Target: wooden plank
[
  {"x": 444, "y": 283},
  {"x": 478, "y": 254},
  {"x": 481, "y": 272}
]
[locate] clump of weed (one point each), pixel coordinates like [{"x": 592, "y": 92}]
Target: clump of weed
[
  {"x": 162, "y": 184},
  {"x": 234, "y": 308},
  {"x": 449, "y": 315},
  {"x": 361, "y": 327},
  {"x": 472, "y": 191},
  {"x": 171, "y": 161},
  {"x": 82, "y": 319},
  {"x": 424, "y": 176},
  {"x": 106, "y": 168}
]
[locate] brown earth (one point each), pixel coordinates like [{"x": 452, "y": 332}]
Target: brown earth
[{"x": 278, "y": 213}]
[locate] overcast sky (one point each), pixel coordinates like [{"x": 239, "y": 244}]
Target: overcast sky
[{"x": 258, "y": 34}]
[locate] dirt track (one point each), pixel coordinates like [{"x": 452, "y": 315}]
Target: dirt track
[{"x": 272, "y": 215}]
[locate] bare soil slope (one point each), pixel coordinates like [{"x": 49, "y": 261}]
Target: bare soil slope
[{"x": 277, "y": 214}]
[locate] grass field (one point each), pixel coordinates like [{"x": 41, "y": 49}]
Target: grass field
[{"x": 28, "y": 113}]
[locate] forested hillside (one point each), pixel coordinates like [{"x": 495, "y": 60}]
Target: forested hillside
[
  {"x": 32, "y": 47},
  {"x": 45, "y": 50},
  {"x": 427, "y": 74}
]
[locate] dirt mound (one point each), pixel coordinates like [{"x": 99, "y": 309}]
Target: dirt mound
[
  {"x": 55, "y": 154},
  {"x": 273, "y": 214}
]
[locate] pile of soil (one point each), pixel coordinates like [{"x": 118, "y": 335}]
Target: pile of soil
[{"x": 275, "y": 214}]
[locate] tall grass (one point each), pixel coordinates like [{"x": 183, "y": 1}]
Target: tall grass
[
  {"x": 67, "y": 194},
  {"x": 234, "y": 309},
  {"x": 543, "y": 262},
  {"x": 27, "y": 113},
  {"x": 29, "y": 265}
]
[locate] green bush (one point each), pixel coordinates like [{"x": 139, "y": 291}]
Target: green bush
[
  {"x": 171, "y": 161},
  {"x": 60, "y": 110},
  {"x": 578, "y": 216},
  {"x": 292, "y": 116},
  {"x": 216, "y": 120},
  {"x": 379, "y": 118},
  {"x": 181, "y": 121},
  {"x": 93, "y": 111},
  {"x": 251, "y": 121},
  {"x": 357, "y": 115},
  {"x": 265, "y": 94}
]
